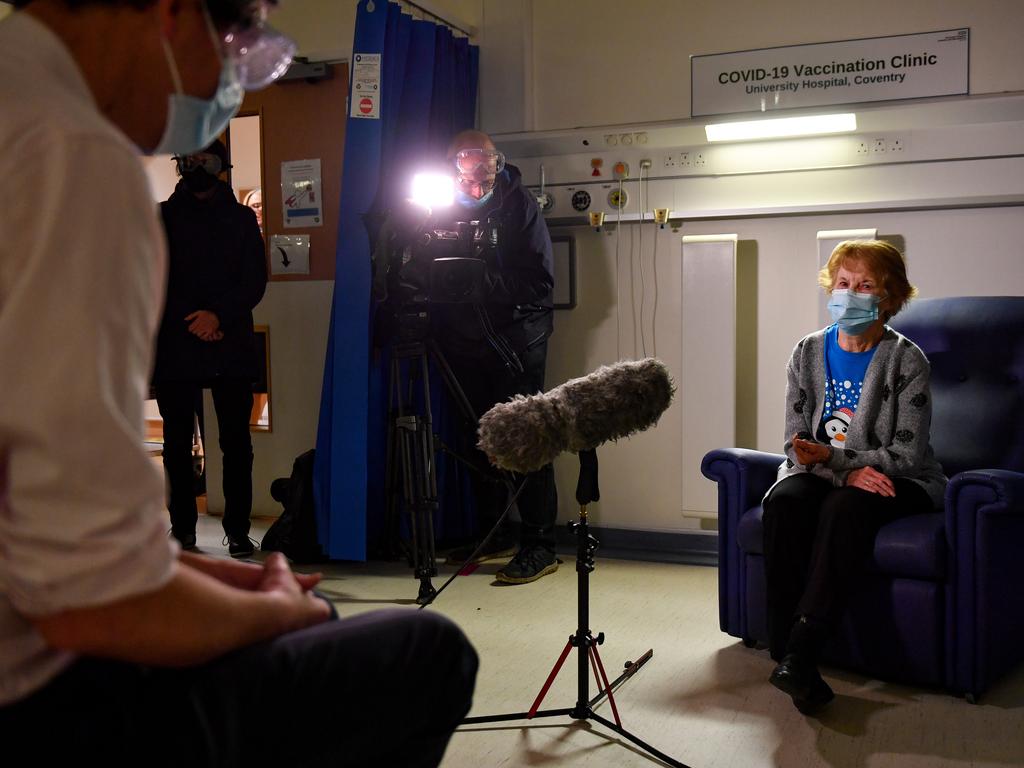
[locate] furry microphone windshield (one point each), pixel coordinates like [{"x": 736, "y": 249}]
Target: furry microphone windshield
[{"x": 613, "y": 402}]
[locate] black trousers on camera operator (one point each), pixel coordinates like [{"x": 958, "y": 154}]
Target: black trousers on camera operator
[{"x": 518, "y": 305}]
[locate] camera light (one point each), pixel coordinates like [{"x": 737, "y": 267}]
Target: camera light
[{"x": 433, "y": 190}]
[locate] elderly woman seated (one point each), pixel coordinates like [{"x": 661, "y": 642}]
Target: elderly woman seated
[{"x": 858, "y": 412}]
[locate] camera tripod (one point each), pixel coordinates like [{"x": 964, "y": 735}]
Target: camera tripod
[
  {"x": 411, "y": 452},
  {"x": 583, "y": 640}
]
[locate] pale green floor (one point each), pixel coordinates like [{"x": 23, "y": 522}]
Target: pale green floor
[{"x": 703, "y": 698}]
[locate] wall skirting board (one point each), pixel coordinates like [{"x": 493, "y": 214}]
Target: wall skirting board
[{"x": 683, "y": 547}]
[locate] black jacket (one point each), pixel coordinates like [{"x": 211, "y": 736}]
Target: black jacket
[
  {"x": 217, "y": 262},
  {"x": 519, "y": 278}
]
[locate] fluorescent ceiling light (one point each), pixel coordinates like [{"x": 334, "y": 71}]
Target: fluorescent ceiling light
[{"x": 782, "y": 127}]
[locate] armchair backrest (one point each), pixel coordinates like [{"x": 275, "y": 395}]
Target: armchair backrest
[{"x": 976, "y": 348}]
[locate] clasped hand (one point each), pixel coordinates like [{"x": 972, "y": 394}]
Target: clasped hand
[
  {"x": 205, "y": 325},
  {"x": 273, "y": 576},
  {"x": 868, "y": 479}
]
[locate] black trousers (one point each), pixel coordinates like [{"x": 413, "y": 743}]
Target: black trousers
[
  {"x": 232, "y": 401},
  {"x": 816, "y": 539},
  {"x": 487, "y": 382},
  {"x": 379, "y": 689}
]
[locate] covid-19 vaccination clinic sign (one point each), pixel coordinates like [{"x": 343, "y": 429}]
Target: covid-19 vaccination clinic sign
[{"x": 843, "y": 72}]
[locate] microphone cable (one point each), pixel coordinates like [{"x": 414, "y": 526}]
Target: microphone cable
[
  {"x": 482, "y": 544},
  {"x": 498, "y": 342}
]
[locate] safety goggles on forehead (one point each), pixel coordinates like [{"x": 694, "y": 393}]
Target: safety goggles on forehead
[
  {"x": 477, "y": 162},
  {"x": 209, "y": 163},
  {"x": 258, "y": 53}
]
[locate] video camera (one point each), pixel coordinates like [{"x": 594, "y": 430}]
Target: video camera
[{"x": 422, "y": 258}]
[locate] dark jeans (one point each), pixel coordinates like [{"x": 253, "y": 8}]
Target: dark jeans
[
  {"x": 379, "y": 689},
  {"x": 232, "y": 400},
  {"x": 486, "y": 382},
  {"x": 816, "y": 540}
]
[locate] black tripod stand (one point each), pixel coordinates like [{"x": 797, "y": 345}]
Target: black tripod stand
[
  {"x": 583, "y": 640},
  {"x": 411, "y": 452}
]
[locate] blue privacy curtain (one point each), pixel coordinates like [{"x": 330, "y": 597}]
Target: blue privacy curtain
[{"x": 427, "y": 94}]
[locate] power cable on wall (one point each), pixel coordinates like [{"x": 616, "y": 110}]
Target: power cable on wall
[
  {"x": 618, "y": 279},
  {"x": 654, "y": 312}
]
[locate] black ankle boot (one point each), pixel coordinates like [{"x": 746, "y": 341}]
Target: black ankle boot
[
  {"x": 799, "y": 677},
  {"x": 795, "y": 675}
]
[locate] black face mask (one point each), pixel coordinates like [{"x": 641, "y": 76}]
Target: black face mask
[{"x": 198, "y": 180}]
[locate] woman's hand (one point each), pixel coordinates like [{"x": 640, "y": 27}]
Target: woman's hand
[
  {"x": 810, "y": 453},
  {"x": 868, "y": 479}
]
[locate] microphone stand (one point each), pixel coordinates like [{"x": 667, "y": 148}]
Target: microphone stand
[{"x": 583, "y": 640}]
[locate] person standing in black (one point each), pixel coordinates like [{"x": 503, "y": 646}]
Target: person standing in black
[
  {"x": 217, "y": 273},
  {"x": 518, "y": 305}
]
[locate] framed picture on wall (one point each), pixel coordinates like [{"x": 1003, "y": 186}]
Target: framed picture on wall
[{"x": 564, "y": 251}]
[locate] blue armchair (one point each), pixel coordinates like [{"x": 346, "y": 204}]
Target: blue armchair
[{"x": 943, "y": 597}]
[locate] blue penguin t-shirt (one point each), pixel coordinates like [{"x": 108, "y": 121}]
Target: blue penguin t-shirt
[{"x": 844, "y": 378}]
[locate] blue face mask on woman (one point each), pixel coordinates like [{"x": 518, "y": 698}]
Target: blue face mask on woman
[
  {"x": 853, "y": 312},
  {"x": 193, "y": 123}
]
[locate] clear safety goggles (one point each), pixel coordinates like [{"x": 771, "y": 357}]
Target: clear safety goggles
[
  {"x": 476, "y": 164},
  {"x": 257, "y": 52},
  {"x": 209, "y": 163}
]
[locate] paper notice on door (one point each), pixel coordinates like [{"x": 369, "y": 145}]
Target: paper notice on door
[
  {"x": 300, "y": 193},
  {"x": 365, "y": 96}
]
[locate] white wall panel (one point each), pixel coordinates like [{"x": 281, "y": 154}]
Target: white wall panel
[{"x": 707, "y": 388}]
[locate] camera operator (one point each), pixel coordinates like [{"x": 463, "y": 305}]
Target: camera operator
[{"x": 517, "y": 304}]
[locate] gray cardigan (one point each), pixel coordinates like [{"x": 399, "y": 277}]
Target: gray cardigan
[{"x": 890, "y": 430}]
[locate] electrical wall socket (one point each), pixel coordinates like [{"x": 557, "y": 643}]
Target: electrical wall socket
[
  {"x": 669, "y": 161},
  {"x": 683, "y": 159},
  {"x": 880, "y": 145},
  {"x": 699, "y": 160}
]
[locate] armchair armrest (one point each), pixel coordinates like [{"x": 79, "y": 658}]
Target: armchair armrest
[
  {"x": 743, "y": 477},
  {"x": 984, "y": 601}
]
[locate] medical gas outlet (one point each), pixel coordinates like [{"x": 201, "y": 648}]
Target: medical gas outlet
[{"x": 581, "y": 200}]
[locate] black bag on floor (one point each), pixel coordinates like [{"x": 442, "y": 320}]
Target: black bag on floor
[{"x": 294, "y": 533}]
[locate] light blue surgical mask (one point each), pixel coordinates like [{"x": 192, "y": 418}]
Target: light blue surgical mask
[
  {"x": 468, "y": 201},
  {"x": 193, "y": 123},
  {"x": 853, "y": 312}
]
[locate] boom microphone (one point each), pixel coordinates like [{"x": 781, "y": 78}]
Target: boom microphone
[{"x": 613, "y": 402}]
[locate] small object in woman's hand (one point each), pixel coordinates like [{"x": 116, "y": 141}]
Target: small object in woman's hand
[{"x": 810, "y": 453}]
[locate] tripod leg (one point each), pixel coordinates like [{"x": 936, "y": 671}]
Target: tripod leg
[
  {"x": 550, "y": 680},
  {"x": 639, "y": 742},
  {"x": 389, "y": 545},
  {"x": 631, "y": 669},
  {"x": 595, "y": 660},
  {"x": 426, "y": 488},
  {"x": 425, "y": 504}
]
